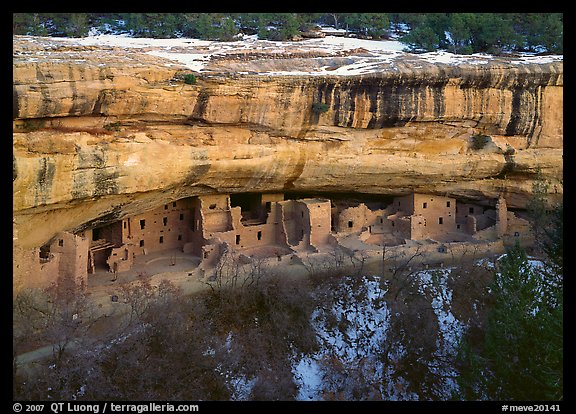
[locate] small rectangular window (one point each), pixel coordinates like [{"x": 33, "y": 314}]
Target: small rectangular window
[
  {"x": 447, "y": 203},
  {"x": 424, "y": 205},
  {"x": 174, "y": 204},
  {"x": 61, "y": 243},
  {"x": 141, "y": 243},
  {"x": 142, "y": 224},
  {"x": 165, "y": 206},
  {"x": 165, "y": 220},
  {"x": 181, "y": 216},
  {"x": 471, "y": 210},
  {"x": 268, "y": 206},
  {"x": 259, "y": 235},
  {"x": 161, "y": 239},
  {"x": 237, "y": 239},
  {"x": 440, "y": 220},
  {"x": 350, "y": 224},
  {"x": 179, "y": 237}
]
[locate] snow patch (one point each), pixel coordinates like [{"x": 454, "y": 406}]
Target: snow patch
[{"x": 368, "y": 55}]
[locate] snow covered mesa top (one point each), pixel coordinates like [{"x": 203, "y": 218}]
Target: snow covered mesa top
[{"x": 329, "y": 55}]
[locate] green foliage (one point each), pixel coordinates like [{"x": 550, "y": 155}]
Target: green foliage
[
  {"x": 521, "y": 355},
  {"x": 210, "y": 26},
  {"x": 279, "y": 26},
  {"x": 157, "y": 25},
  {"x": 320, "y": 107},
  {"x": 493, "y": 33},
  {"x": 368, "y": 24},
  {"x": 483, "y": 32},
  {"x": 457, "y": 32},
  {"x": 459, "y": 28},
  {"x": 422, "y": 38},
  {"x": 51, "y": 24},
  {"x": 189, "y": 79},
  {"x": 113, "y": 126}
]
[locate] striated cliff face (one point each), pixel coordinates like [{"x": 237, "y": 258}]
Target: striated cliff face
[{"x": 101, "y": 133}]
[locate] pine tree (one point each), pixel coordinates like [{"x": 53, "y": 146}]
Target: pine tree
[
  {"x": 422, "y": 38},
  {"x": 522, "y": 353}
]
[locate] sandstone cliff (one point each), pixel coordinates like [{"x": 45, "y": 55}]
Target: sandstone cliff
[{"x": 101, "y": 133}]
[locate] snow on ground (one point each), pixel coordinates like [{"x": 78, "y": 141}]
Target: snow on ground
[
  {"x": 451, "y": 329},
  {"x": 351, "y": 330},
  {"x": 366, "y": 55},
  {"x": 354, "y": 326}
]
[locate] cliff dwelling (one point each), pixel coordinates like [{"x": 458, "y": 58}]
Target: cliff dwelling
[
  {"x": 119, "y": 162},
  {"x": 266, "y": 226}
]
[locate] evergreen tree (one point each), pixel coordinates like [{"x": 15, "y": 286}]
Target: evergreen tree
[
  {"x": 34, "y": 24},
  {"x": 540, "y": 30},
  {"x": 279, "y": 26},
  {"x": 438, "y": 22},
  {"x": 549, "y": 32},
  {"x": 421, "y": 38},
  {"x": 521, "y": 355},
  {"x": 468, "y": 32},
  {"x": 459, "y": 28},
  {"x": 368, "y": 24},
  {"x": 493, "y": 33},
  {"x": 76, "y": 25}
]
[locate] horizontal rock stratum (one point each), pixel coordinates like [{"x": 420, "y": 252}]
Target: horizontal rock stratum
[{"x": 102, "y": 132}]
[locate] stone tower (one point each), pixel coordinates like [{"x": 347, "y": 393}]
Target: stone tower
[{"x": 501, "y": 217}]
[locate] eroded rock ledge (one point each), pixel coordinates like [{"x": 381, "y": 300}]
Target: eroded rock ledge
[{"x": 102, "y": 133}]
